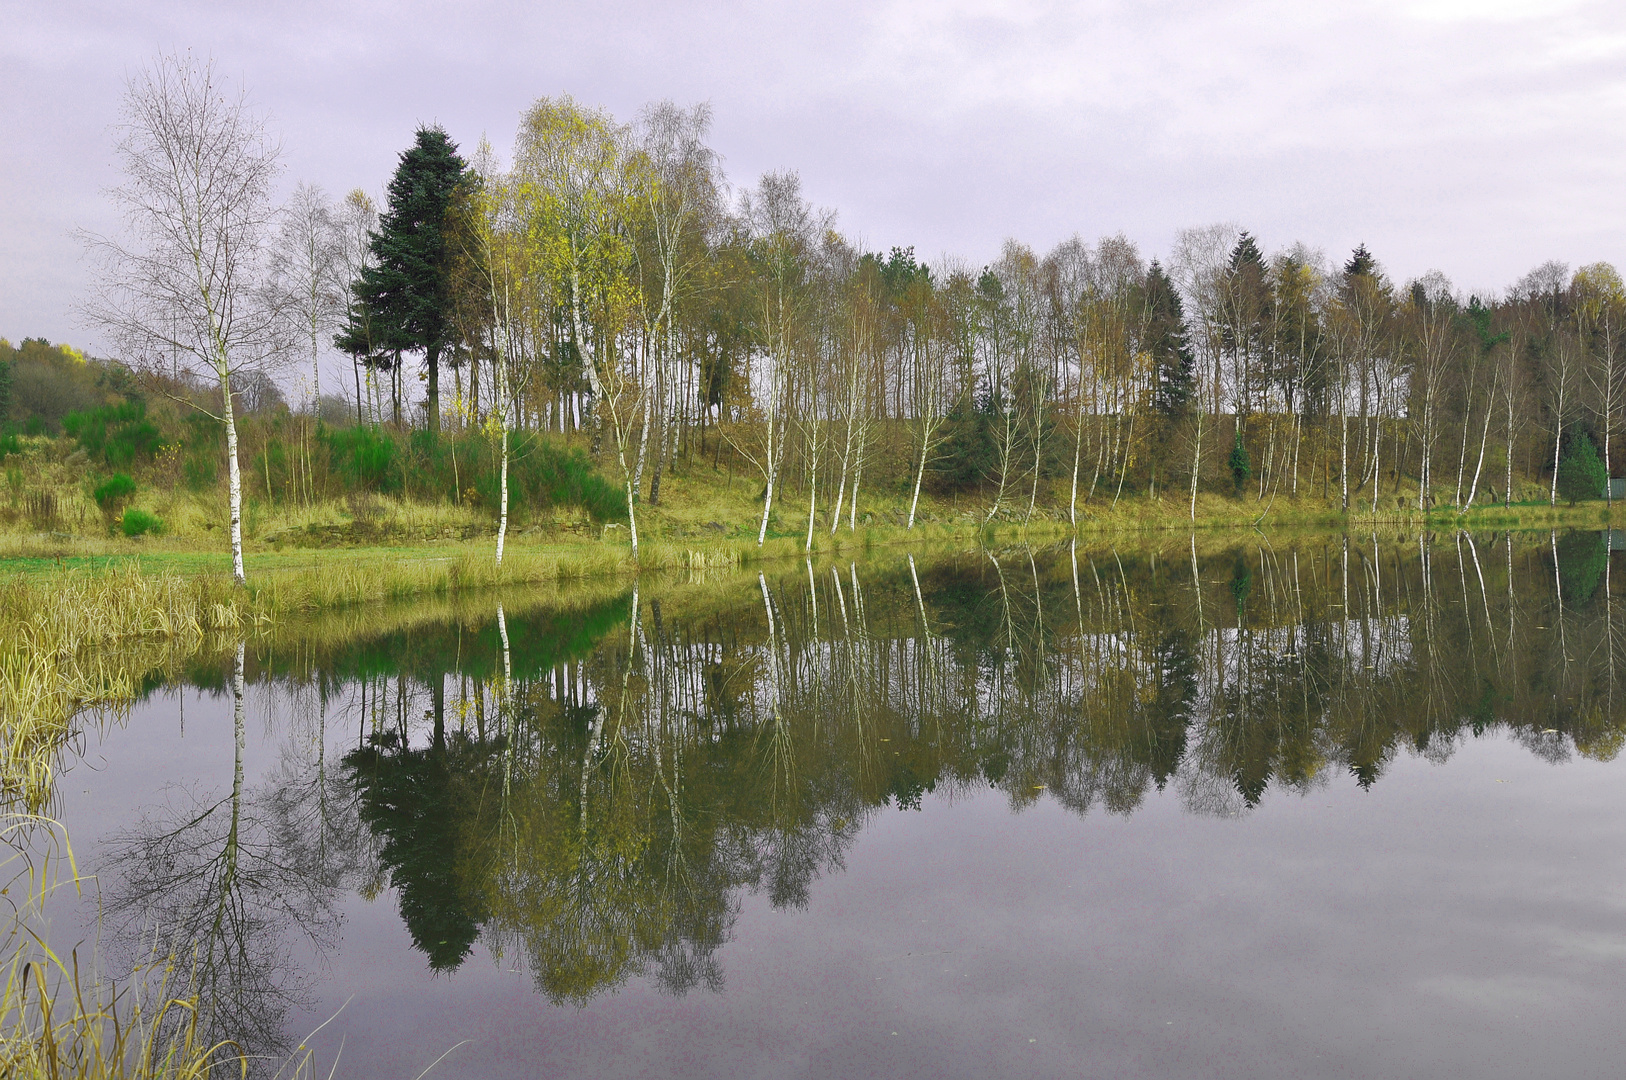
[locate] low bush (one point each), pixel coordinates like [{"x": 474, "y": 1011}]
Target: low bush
[
  {"x": 113, "y": 492},
  {"x": 140, "y": 523}
]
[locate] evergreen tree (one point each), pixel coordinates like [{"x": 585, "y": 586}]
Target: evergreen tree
[
  {"x": 1361, "y": 263},
  {"x": 1581, "y": 474},
  {"x": 404, "y": 299},
  {"x": 1240, "y": 464},
  {"x": 1247, "y": 254},
  {"x": 1167, "y": 343}
]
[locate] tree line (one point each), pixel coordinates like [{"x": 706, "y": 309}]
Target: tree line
[{"x": 608, "y": 281}]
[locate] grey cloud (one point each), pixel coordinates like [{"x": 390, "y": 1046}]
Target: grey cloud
[{"x": 1478, "y": 138}]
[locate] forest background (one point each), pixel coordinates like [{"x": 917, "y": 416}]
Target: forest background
[{"x": 603, "y": 333}]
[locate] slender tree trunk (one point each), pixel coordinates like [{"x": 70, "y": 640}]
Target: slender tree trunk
[
  {"x": 355, "y": 367},
  {"x": 234, "y": 478},
  {"x": 858, "y": 474},
  {"x": 920, "y": 473},
  {"x": 812, "y": 490},
  {"x": 1484, "y": 437},
  {"x": 1343, "y": 451},
  {"x": 502, "y": 519},
  {"x": 432, "y": 364},
  {"x": 1196, "y": 468},
  {"x": 1462, "y": 453},
  {"x": 1377, "y": 463},
  {"x": 1078, "y": 453},
  {"x": 1558, "y": 435},
  {"x": 773, "y": 473}
]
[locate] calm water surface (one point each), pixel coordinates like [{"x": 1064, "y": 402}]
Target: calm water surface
[{"x": 1313, "y": 807}]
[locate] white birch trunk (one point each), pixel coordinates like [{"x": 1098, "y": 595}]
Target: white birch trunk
[{"x": 235, "y": 479}]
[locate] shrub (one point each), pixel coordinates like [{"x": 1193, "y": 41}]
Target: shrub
[
  {"x": 1581, "y": 475},
  {"x": 118, "y": 435},
  {"x": 113, "y": 492},
  {"x": 364, "y": 456},
  {"x": 139, "y": 523},
  {"x": 10, "y": 444},
  {"x": 541, "y": 474}
]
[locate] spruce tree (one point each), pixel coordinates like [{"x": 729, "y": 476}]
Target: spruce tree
[
  {"x": 406, "y": 293},
  {"x": 1360, "y": 262},
  {"x": 1167, "y": 343}
]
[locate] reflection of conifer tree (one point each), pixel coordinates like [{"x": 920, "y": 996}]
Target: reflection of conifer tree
[
  {"x": 702, "y": 755},
  {"x": 411, "y": 798}
]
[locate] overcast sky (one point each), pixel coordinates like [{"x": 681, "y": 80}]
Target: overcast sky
[{"x": 1477, "y": 138}]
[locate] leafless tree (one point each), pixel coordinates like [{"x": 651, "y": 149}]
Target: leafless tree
[
  {"x": 354, "y": 220},
  {"x": 186, "y": 281},
  {"x": 303, "y": 262}
]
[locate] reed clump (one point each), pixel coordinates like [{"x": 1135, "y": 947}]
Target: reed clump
[{"x": 80, "y": 641}]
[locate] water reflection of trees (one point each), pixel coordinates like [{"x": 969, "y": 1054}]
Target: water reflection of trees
[
  {"x": 591, "y": 793},
  {"x": 224, "y": 889},
  {"x": 607, "y": 813}
]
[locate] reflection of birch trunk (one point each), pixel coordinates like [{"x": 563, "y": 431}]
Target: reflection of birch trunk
[
  {"x": 502, "y": 705},
  {"x": 779, "y": 737},
  {"x": 1558, "y": 591},
  {"x": 1484, "y": 597},
  {"x": 229, "y": 860}
]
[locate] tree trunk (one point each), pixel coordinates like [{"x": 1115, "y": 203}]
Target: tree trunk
[
  {"x": 1558, "y": 436},
  {"x": 767, "y": 507},
  {"x": 1196, "y": 463},
  {"x": 852, "y": 503},
  {"x": 920, "y": 473},
  {"x": 235, "y": 479},
  {"x": 812, "y": 492},
  {"x": 502, "y": 520},
  {"x": 431, "y": 362}
]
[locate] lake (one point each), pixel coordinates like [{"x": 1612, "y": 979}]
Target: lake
[{"x": 1306, "y": 806}]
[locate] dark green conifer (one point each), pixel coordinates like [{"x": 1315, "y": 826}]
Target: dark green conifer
[
  {"x": 1167, "y": 343},
  {"x": 1240, "y": 464},
  {"x": 1361, "y": 263},
  {"x": 404, "y": 299}
]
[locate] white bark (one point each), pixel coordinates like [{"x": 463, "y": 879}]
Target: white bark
[{"x": 189, "y": 280}]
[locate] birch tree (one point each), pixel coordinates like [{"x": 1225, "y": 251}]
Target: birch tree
[
  {"x": 303, "y": 263},
  {"x": 1601, "y": 312},
  {"x": 784, "y": 229},
  {"x": 185, "y": 285},
  {"x": 677, "y": 191},
  {"x": 354, "y": 220},
  {"x": 576, "y": 186},
  {"x": 495, "y": 248},
  {"x": 1198, "y": 267}
]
